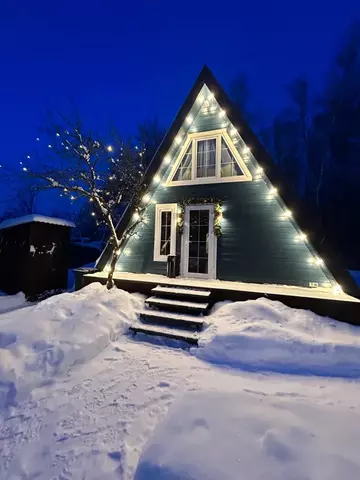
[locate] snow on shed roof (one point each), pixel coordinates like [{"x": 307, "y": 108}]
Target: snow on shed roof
[{"x": 12, "y": 222}]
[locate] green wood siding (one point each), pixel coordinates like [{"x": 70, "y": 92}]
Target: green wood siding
[{"x": 257, "y": 245}]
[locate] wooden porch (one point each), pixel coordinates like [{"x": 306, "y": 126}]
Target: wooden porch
[{"x": 320, "y": 300}]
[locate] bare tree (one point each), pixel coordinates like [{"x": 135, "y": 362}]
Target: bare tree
[{"x": 82, "y": 166}]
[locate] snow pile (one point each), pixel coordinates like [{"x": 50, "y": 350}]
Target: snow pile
[
  {"x": 221, "y": 435},
  {"x": 11, "y": 302},
  {"x": 38, "y": 342},
  {"x": 267, "y": 335}
]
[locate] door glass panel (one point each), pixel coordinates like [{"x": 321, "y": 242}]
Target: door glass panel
[{"x": 198, "y": 241}]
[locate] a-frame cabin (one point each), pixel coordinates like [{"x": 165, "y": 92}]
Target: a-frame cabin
[{"x": 217, "y": 201}]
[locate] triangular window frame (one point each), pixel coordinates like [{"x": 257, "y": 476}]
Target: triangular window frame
[{"x": 193, "y": 138}]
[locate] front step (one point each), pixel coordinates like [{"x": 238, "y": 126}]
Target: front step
[
  {"x": 165, "y": 332},
  {"x": 171, "y": 319},
  {"x": 177, "y": 305},
  {"x": 181, "y": 293}
]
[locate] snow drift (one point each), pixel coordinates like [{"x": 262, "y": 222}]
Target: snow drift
[
  {"x": 221, "y": 435},
  {"x": 12, "y": 302},
  {"x": 40, "y": 341},
  {"x": 267, "y": 335}
]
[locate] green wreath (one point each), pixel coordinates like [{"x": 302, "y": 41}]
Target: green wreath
[{"x": 201, "y": 201}]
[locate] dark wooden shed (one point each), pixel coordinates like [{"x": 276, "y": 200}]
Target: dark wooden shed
[{"x": 34, "y": 254}]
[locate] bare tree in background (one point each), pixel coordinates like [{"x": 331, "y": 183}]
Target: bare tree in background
[{"x": 80, "y": 165}]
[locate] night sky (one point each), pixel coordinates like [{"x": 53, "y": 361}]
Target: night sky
[{"x": 124, "y": 62}]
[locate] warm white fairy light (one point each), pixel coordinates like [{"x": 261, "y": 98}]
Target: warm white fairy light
[
  {"x": 259, "y": 170},
  {"x": 136, "y": 216},
  {"x": 178, "y": 140},
  {"x": 319, "y": 261},
  {"x": 93, "y": 214},
  {"x": 72, "y": 197},
  {"x": 49, "y": 146},
  {"x": 37, "y": 139},
  {"x": 57, "y": 134},
  {"x": 109, "y": 148},
  {"x": 246, "y": 150},
  {"x": 28, "y": 156},
  {"x": 146, "y": 198},
  {"x": 24, "y": 169},
  {"x": 222, "y": 113},
  {"x": 127, "y": 251},
  {"x": 200, "y": 99},
  {"x": 157, "y": 178},
  {"x": 233, "y": 132},
  {"x": 211, "y": 96},
  {"x": 273, "y": 191},
  {"x": 287, "y": 213},
  {"x": 167, "y": 160},
  {"x": 302, "y": 236},
  {"x": 189, "y": 119}
]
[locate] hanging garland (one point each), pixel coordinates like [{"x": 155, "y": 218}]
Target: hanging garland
[{"x": 201, "y": 201}]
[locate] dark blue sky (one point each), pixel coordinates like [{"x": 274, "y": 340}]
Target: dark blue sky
[{"x": 124, "y": 62}]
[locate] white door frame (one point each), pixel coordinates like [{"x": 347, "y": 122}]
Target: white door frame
[{"x": 212, "y": 244}]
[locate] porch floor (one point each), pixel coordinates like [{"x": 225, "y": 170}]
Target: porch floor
[{"x": 254, "y": 288}]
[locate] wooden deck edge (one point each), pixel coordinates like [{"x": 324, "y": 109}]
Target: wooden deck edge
[{"x": 343, "y": 311}]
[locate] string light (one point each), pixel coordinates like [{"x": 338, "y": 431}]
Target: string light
[
  {"x": 72, "y": 197},
  {"x": 178, "y": 140},
  {"x": 24, "y": 169},
  {"x": 109, "y": 148},
  {"x": 246, "y": 150},
  {"x": 189, "y": 119},
  {"x": 211, "y": 96},
  {"x": 273, "y": 191},
  {"x": 302, "y": 236},
  {"x": 93, "y": 214},
  {"x": 49, "y": 146},
  {"x": 37, "y": 139},
  {"x": 157, "y": 179},
  {"x": 146, "y": 198},
  {"x": 200, "y": 99},
  {"x": 167, "y": 160},
  {"x": 319, "y": 261},
  {"x": 259, "y": 170},
  {"x": 222, "y": 113},
  {"x": 287, "y": 213},
  {"x": 234, "y": 131},
  {"x": 28, "y": 156},
  {"x": 136, "y": 216},
  {"x": 57, "y": 134}
]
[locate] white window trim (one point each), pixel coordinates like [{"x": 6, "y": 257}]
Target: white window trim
[
  {"x": 213, "y": 134},
  {"x": 164, "y": 207}
]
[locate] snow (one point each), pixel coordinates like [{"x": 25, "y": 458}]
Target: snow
[
  {"x": 12, "y": 222},
  {"x": 250, "y": 435},
  {"x": 267, "y": 335},
  {"x": 11, "y": 302},
  {"x": 64, "y": 330},
  {"x": 82, "y": 398}
]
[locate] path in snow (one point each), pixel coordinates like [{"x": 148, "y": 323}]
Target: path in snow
[{"x": 94, "y": 422}]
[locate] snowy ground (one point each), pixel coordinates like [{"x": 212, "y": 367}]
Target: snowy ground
[{"x": 81, "y": 399}]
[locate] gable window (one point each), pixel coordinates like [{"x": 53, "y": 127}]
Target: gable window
[
  {"x": 208, "y": 157},
  {"x": 165, "y": 231}
]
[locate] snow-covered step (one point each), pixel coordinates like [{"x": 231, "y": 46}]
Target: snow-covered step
[
  {"x": 190, "y": 293},
  {"x": 178, "y": 305},
  {"x": 166, "y": 332},
  {"x": 171, "y": 319}
]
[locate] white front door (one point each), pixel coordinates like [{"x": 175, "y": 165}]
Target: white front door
[{"x": 198, "y": 252}]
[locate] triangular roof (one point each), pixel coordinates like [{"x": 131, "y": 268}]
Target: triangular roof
[{"x": 305, "y": 219}]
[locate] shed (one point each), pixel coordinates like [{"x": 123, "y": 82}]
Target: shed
[{"x": 34, "y": 254}]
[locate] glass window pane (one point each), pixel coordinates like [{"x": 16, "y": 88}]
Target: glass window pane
[
  {"x": 184, "y": 169},
  {"x": 206, "y": 158},
  {"x": 229, "y": 166},
  {"x": 165, "y": 232},
  {"x": 203, "y": 265},
  {"x": 193, "y": 265}
]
